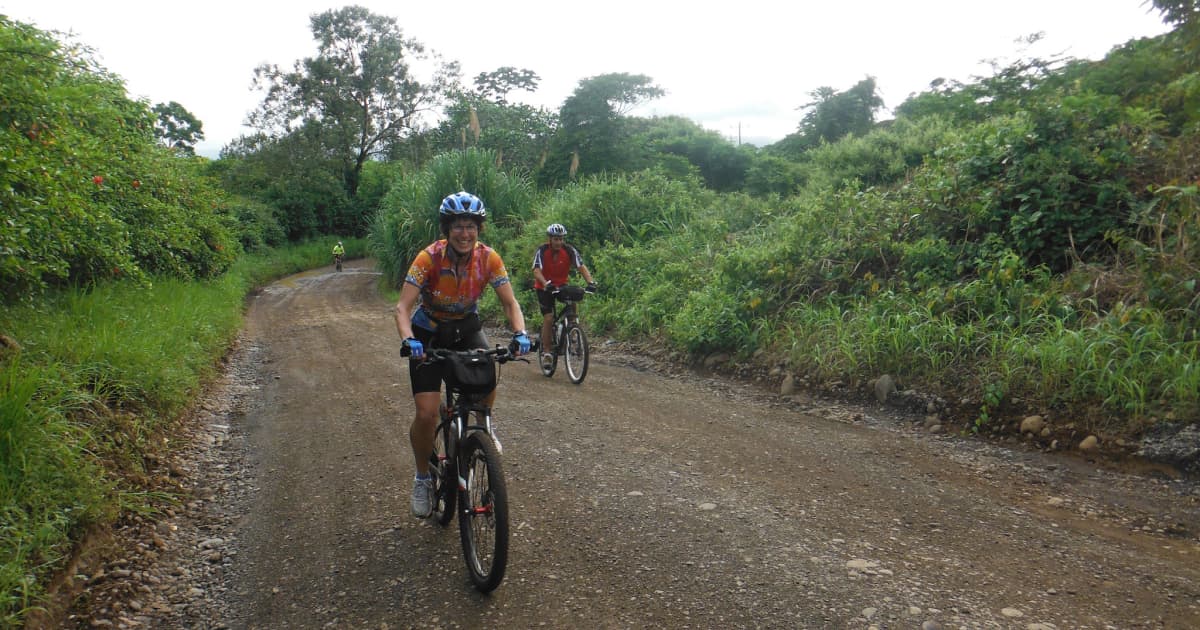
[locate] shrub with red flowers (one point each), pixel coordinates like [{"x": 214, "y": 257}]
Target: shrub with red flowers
[{"x": 68, "y": 131}]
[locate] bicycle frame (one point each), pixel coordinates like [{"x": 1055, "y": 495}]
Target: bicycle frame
[
  {"x": 565, "y": 315},
  {"x": 458, "y": 406}
]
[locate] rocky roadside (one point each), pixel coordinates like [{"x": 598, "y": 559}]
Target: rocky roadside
[{"x": 168, "y": 570}]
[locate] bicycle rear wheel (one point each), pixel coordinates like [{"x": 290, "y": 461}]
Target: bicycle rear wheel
[
  {"x": 445, "y": 485},
  {"x": 483, "y": 515},
  {"x": 575, "y": 354}
]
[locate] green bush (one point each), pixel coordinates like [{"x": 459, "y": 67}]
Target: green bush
[
  {"x": 1049, "y": 182},
  {"x": 616, "y": 210},
  {"x": 85, "y": 193}
]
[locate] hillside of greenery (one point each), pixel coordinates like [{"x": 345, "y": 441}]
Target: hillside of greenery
[{"x": 1024, "y": 242}]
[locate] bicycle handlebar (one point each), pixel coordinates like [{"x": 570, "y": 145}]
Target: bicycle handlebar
[
  {"x": 557, "y": 293},
  {"x": 502, "y": 354}
]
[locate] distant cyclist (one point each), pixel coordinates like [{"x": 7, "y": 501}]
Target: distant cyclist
[
  {"x": 448, "y": 277},
  {"x": 338, "y": 251},
  {"x": 552, "y": 263}
]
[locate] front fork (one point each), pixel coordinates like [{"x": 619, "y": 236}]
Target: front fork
[{"x": 457, "y": 428}]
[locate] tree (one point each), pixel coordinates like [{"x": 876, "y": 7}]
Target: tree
[
  {"x": 516, "y": 133},
  {"x": 1185, "y": 16},
  {"x": 722, "y": 165},
  {"x": 591, "y": 125},
  {"x": 359, "y": 95},
  {"x": 835, "y": 115},
  {"x": 496, "y": 85},
  {"x": 177, "y": 128}
]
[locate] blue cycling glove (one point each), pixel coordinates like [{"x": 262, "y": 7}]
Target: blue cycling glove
[
  {"x": 522, "y": 341},
  {"x": 413, "y": 348}
]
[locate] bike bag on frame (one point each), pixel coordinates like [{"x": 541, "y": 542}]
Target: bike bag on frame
[
  {"x": 470, "y": 373},
  {"x": 569, "y": 293}
]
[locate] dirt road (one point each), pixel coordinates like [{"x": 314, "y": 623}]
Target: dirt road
[{"x": 644, "y": 498}]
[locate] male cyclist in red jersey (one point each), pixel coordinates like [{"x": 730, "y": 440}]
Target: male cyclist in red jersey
[{"x": 552, "y": 263}]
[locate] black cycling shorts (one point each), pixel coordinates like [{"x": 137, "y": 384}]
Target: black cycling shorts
[
  {"x": 545, "y": 301},
  {"x": 427, "y": 377}
]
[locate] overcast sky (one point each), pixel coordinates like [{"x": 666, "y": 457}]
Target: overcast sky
[{"x": 729, "y": 66}]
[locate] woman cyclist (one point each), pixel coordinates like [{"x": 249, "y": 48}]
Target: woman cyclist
[{"x": 448, "y": 277}]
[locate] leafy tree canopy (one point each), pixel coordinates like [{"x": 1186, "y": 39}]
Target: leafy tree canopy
[
  {"x": 496, "y": 85},
  {"x": 722, "y": 165},
  {"x": 177, "y": 128},
  {"x": 358, "y": 95},
  {"x": 516, "y": 133},
  {"x": 1185, "y": 15},
  {"x": 834, "y": 115},
  {"x": 592, "y": 136}
]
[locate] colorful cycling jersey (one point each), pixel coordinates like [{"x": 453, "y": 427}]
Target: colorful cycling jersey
[
  {"x": 555, "y": 264},
  {"x": 445, "y": 295}
]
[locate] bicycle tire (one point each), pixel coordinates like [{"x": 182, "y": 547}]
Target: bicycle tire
[
  {"x": 445, "y": 483},
  {"x": 483, "y": 512},
  {"x": 575, "y": 353}
]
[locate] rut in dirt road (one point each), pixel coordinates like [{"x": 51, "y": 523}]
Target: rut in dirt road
[{"x": 647, "y": 497}]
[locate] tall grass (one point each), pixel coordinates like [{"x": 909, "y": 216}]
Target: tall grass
[
  {"x": 50, "y": 487},
  {"x": 1101, "y": 371},
  {"x": 101, "y": 376},
  {"x": 408, "y": 217}
]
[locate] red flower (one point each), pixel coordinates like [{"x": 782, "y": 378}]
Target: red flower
[{"x": 97, "y": 180}]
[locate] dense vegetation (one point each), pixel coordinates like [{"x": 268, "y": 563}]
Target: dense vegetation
[{"x": 1021, "y": 242}]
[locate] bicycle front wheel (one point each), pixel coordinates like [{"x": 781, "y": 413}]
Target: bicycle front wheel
[
  {"x": 483, "y": 514},
  {"x": 445, "y": 483},
  {"x": 575, "y": 354}
]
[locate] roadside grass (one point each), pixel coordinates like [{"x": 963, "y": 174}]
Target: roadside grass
[
  {"x": 100, "y": 378},
  {"x": 1107, "y": 374}
]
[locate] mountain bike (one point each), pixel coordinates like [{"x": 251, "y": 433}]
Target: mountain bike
[
  {"x": 337, "y": 261},
  {"x": 571, "y": 342},
  {"x": 465, "y": 462}
]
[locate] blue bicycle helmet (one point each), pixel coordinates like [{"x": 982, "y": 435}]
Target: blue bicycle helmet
[
  {"x": 463, "y": 203},
  {"x": 556, "y": 229}
]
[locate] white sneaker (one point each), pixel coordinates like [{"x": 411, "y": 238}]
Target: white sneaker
[{"x": 422, "y": 498}]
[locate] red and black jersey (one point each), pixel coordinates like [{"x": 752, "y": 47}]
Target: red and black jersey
[{"x": 556, "y": 265}]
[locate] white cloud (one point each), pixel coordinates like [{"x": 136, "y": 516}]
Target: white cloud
[{"x": 749, "y": 63}]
